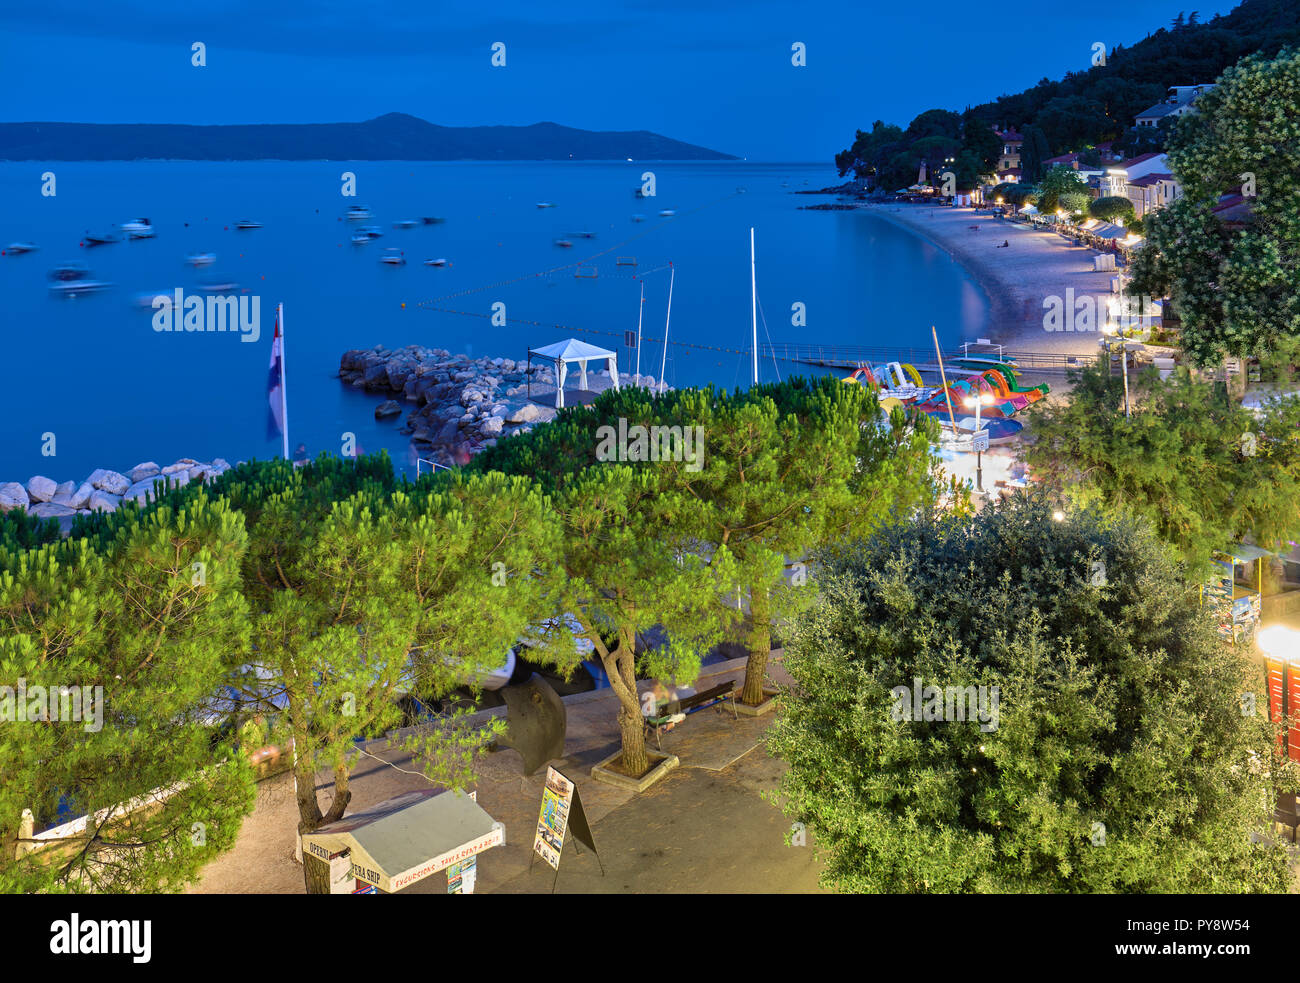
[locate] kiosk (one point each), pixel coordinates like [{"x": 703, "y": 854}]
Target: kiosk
[{"x": 402, "y": 840}]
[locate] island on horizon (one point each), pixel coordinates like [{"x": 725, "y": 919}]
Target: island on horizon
[{"x": 393, "y": 136}]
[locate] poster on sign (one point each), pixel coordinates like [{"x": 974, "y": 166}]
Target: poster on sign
[
  {"x": 553, "y": 821},
  {"x": 460, "y": 877}
]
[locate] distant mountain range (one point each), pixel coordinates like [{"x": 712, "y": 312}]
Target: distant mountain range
[{"x": 395, "y": 136}]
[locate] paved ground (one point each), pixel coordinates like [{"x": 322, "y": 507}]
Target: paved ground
[{"x": 706, "y": 828}]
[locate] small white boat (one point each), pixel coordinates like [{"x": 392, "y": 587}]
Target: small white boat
[
  {"x": 371, "y": 231},
  {"x": 435, "y": 262},
  {"x": 546, "y": 204},
  {"x": 201, "y": 259},
  {"x": 17, "y": 248},
  {"x": 218, "y": 285},
  {"x": 359, "y": 213},
  {"x": 73, "y": 288},
  {"x": 360, "y": 239},
  {"x": 138, "y": 228},
  {"x": 393, "y": 257},
  {"x": 99, "y": 238},
  {"x": 432, "y": 220},
  {"x": 247, "y": 223},
  {"x": 405, "y": 223},
  {"x": 564, "y": 243},
  {"x": 668, "y": 213}
]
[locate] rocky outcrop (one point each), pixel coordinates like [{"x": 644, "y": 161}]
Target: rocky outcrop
[
  {"x": 462, "y": 405},
  {"x": 103, "y": 490}
]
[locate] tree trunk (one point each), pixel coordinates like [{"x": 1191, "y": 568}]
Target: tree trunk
[
  {"x": 622, "y": 664},
  {"x": 760, "y": 646},
  {"x": 315, "y": 874}
]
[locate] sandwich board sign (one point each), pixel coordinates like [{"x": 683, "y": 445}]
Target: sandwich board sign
[{"x": 561, "y": 809}]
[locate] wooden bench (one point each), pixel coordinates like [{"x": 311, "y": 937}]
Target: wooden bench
[{"x": 671, "y": 708}]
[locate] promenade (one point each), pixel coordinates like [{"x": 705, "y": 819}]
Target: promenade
[{"x": 704, "y": 828}]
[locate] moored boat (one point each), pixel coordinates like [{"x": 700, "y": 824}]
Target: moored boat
[
  {"x": 73, "y": 288},
  {"x": 18, "y": 248},
  {"x": 247, "y": 223},
  {"x": 138, "y": 228}
]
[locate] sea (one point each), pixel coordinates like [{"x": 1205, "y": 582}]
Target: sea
[{"x": 89, "y": 381}]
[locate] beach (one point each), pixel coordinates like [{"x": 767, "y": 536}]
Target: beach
[{"x": 1018, "y": 279}]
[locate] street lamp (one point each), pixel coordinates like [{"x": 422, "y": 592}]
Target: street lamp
[
  {"x": 983, "y": 399},
  {"x": 1109, "y": 330},
  {"x": 1280, "y": 643}
]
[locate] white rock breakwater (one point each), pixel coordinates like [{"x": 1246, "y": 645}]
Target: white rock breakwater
[
  {"x": 103, "y": 490},
  {"x": 463, "y": 404}
]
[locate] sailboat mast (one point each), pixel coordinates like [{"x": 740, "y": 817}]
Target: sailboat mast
[
  {"x": 640, "y": 311},
  {"x": 672, "y": 273},
  {"x": 753, "y": 302}
]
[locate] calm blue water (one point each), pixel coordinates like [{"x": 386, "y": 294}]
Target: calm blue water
[{"x": 92, "y": 370}]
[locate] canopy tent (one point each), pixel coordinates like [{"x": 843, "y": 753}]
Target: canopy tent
[
  {"x": 1029, "y": 210},
  {"x": 1108, "y": 230},
  {"x": 564, "y": 353},
  {"x": 402, "y": 840}
]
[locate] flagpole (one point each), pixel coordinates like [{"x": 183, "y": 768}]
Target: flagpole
[{"x": 284, "y": 392}]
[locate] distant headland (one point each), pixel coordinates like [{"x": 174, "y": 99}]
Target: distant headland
[{"x": 395, "y": 136}]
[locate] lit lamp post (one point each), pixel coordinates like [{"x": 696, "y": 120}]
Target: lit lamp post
[
  {"x": 984, "y": 399},
  {"x": 1109, "y": 330}
]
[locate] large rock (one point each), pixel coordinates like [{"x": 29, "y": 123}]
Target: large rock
[
  {"x": 143, "y": 471},
  {"x": 102, "y": 501},
  {"x": 63, "y": 494},
  {"x": 142, "y": 491},
  {"x": 448, "y": 433},
  {"x": 41, "y": 488},
  {"x": 491, "y": 426},
  {"x": 388, "y": 408},
  {"x": 80, "y": 498},
  {"x": 532, "y": 413},
  {"x": 13, "y": 496},
  {"x": 51, "y": 510},
  {"x": 376, "y": 376},
  {"x": 184, "y": 464},
  {"x": 112, "y": 482}
]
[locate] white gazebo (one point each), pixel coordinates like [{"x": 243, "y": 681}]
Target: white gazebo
[{"x": 565, "y": 353}]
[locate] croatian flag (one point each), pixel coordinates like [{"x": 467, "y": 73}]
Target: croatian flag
[{"x": 275, "y": 384}]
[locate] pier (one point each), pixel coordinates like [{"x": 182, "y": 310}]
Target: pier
[{"x": 852, "y": 356}]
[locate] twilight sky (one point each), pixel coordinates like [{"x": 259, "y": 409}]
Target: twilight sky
[{"x": 711, "y": 73}]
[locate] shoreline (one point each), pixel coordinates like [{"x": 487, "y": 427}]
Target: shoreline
[{"x": 1016, "y": 280}]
